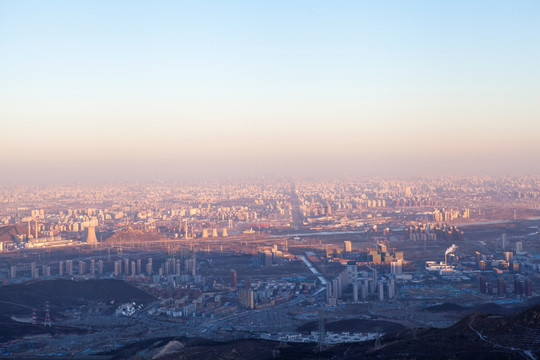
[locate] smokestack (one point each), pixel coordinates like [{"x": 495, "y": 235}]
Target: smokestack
[{"x": 448, "y": 251}]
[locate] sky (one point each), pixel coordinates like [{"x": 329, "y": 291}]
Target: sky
[{"x": 119, "y": 90}]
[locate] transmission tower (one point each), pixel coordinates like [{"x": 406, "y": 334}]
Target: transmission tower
[
  {"x": 378, "y": 339},
  {"x": 47, "y": 321}
]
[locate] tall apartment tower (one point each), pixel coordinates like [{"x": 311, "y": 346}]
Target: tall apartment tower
[
  {"x": 234, "y": 282},
  {"x": 69, "y": 267}
]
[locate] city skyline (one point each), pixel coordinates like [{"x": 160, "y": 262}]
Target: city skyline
[{"x": 114, "y": 91}]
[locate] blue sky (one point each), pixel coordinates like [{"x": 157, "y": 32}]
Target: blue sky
[{"x": 423, "y": 86}]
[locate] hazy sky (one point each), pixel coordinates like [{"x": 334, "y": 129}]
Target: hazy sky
[{"x": 110, "y": 90}]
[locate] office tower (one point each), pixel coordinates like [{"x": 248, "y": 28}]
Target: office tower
[
  {"x": 508, "y": 256},
  {"x": 348, "y": 246}
]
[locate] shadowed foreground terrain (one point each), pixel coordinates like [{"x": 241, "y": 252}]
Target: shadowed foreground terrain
[
  {"x": 21, "y": 299},
  {"x": 477, "y": 336}
]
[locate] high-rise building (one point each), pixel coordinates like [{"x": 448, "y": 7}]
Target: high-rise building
[
  {"x": 13, "y": 272},
  {"x": 133, "y": 268},
  {"x": 528, "y": 287},
  {"x": 234, "y": 283},
  {"x": 100, "y": 267},
  {"x": 483, "y": 284},
  {"x": 61, "y": 268},
  {"x": 482, "y": 265},
  {"x": 396, "y": 267},
  {"x": 391, "y": 288},
  {"x": 501, "y": 288},
  {"x": 518, "y": 290},
  {"x": 46, "y": 271},
  {"x": 34, "y": 271},
  {"x": 69, "y": 267},
  {"x": 92, "y": 266},
  {"x": 245, "y": 298},
  {"x": 117, "y": 268},
  {"x": 348, "y": 246},
  {"x": 82, "y": 267}
]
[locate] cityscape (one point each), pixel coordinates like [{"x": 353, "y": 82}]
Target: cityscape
[
  {"x": 265, "y": 260},
  {"x": 260, "y": 180}
]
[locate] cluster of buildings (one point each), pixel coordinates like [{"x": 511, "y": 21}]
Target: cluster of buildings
[
  {"x": 362, "y": 285},
  {"x": 270, "y": 257},
  {"x": 429, "y": 232}
]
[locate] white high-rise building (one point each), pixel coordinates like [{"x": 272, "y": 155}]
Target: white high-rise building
[{"x": 396, "y": 267}]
